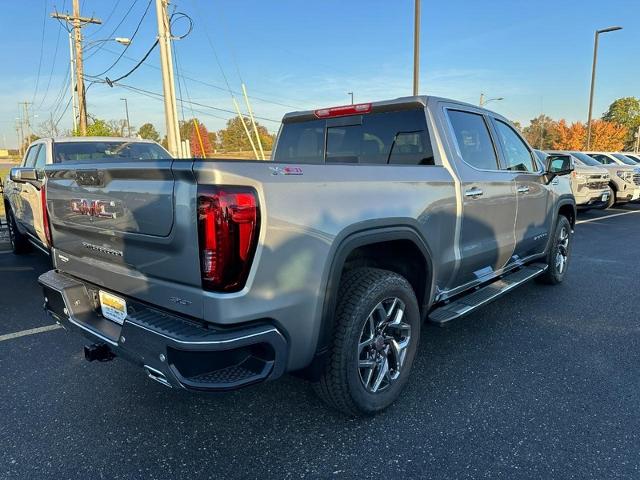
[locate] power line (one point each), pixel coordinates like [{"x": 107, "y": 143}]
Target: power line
[
  {"x": 146, "y": 10},
  {"x": 44, "y": 19},
  {"x": 113, "y": 10},
  {"x": 136, "y": 89},
  {"x": 217, "y": 87},
  {"x": 53, "y": 64}
]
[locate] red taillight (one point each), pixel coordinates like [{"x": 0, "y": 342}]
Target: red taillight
[
  {"x": 45, "y": 215},
  {"x": 228, "y": 226},
  {"x": 343, "y": 110}
]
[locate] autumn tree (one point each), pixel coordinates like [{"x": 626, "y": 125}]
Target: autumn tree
[
  {"x": 569, "y": 137},
  {"x": 234, "y": 138},
  {"x": 608, "y": 136},
  {"x": 149, "y": 132},
  {"x": 200, "y": 140},
  {"x": 542, "y": 132},
  {"x": 626, "y": 112}
]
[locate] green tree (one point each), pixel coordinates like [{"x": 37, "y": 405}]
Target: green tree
[
  {"x": 233, "y": 138},
  {"x": 625, "y": 112},
  {"x": 542, "y": 132},
  {"x": 96, "y": 128},
  {"x": 149, "y": 132}
]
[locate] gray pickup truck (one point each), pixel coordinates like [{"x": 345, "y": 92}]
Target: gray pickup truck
[{"x": 370, "y": 218}]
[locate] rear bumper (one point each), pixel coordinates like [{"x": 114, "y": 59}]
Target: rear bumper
[{"x": 173, "y": 350}]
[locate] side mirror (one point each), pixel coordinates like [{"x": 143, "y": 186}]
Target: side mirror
[
  {"x": 23, "y": 175},
  {"x": 15, "y": 175},
  {"x": 559, "y": 165}
]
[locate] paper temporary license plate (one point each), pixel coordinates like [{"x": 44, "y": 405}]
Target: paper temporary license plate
[{"x": 113, "y": 307}]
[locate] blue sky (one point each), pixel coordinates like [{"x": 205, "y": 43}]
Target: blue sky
[{"x": 306, "y": 54}]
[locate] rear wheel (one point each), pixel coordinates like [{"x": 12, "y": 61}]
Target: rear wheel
[
  {"x": 558, "y": 256},
  {"x": 377, "y": 328},
  {"x": 19, "y": 242}
]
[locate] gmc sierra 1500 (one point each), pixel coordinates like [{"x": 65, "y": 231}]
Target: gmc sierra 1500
[{"x": 370, "y": 218}]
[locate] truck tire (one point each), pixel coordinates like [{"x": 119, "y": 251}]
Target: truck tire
[
  {"x": 611, "y": 201},
  {"x": 559, "y": 253},
  {"x": 376, "y": 334},
  {"x": 19, "y": 242}
]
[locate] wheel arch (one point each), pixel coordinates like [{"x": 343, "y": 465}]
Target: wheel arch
[{"x": 347, "y": 253}]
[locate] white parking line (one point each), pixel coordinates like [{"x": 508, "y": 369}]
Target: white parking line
[
  {"x": 607, "y": 216},
  {"x": 32, "y": 331}
]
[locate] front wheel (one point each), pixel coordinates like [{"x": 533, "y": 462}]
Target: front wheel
[
  {"x": 611, "y": 201},
  {"x": 558, "y": 256},
  {"x": 377, "y": 328}
]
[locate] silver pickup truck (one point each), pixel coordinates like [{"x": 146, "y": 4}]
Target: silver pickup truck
[{"x": 370, "y": 218}]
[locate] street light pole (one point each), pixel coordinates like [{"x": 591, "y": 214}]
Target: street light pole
[
  {"x": 351, "y": 94},
  {"x": 593, "y": 78},
  {"x": 484, "y": 101},
  {"x": 416, "y": 48},
  {"x": 126, "y": 110}
]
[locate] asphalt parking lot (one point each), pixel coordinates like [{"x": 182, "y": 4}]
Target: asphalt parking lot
[{"x": 544, "y": 383}]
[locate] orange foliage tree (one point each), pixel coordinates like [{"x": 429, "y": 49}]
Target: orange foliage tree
[
  {"x": 605, "y": 136},
  {"x": 570, "y": 137},
  {"x": 608, "y": 136}
]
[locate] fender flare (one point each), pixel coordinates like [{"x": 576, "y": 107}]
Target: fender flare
[{"x": 356, "y": 237}]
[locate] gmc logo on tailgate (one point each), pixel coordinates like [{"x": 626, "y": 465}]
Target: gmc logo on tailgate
[{"x": 93, "y": 208}]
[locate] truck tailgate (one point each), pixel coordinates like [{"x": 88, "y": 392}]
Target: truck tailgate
[{"x": 129, "y": 227}]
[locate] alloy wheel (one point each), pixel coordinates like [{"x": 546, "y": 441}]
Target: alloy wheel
[
  {"x": 562, "y": 251},
  {"x": 383, "y": 345}
]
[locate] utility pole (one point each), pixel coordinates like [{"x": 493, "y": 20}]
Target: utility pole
[
  {"x": 416, "y": 47},
  {"x": 126, "y": 110},
  {"x": 26, "y": 123},
  {"x": 481, "y": 100},
  {"x": 77, "y": 23},
  {"x": 638, "y": 140},
  {"x": 72, "y": 84},
  {"x": 168, "y": 82}
]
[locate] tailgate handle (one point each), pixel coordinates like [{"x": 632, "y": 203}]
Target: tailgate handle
[{"x": 90, "y": 178}]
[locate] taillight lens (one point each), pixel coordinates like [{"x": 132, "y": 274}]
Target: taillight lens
[
  {"x": 343, "y": 110},
  {"x": 45, "y": 215},
  {"x": 228, "y": 227}
]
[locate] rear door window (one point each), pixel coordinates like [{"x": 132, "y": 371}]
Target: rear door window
[
  {"x": 516, "y": 153},
  {"x": 473, "y": 139},
  {"x": 398, "y": 137}
]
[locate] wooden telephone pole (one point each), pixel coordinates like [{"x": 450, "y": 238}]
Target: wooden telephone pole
[{"x": 77, "y": 22}]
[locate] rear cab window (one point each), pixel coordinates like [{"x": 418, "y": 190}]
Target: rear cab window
[{"x": 394, "y": 137}]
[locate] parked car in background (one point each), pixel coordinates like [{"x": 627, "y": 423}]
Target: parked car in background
[
  {"x": 589, "y": 183},
  {"x": 23, "y": 192},
  {"x": 624, "y": 184},
  {"x": 213, "y": 275},
  {"x": 632, "y": 155},
  {"x": 610, "y": 158}
]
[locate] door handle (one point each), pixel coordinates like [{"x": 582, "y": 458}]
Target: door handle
[
  {"x": 473, "y": 192},
  {"x": 523, "y": 189}
]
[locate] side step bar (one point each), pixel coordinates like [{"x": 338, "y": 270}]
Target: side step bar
[{"x": 470, "y": 302}]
